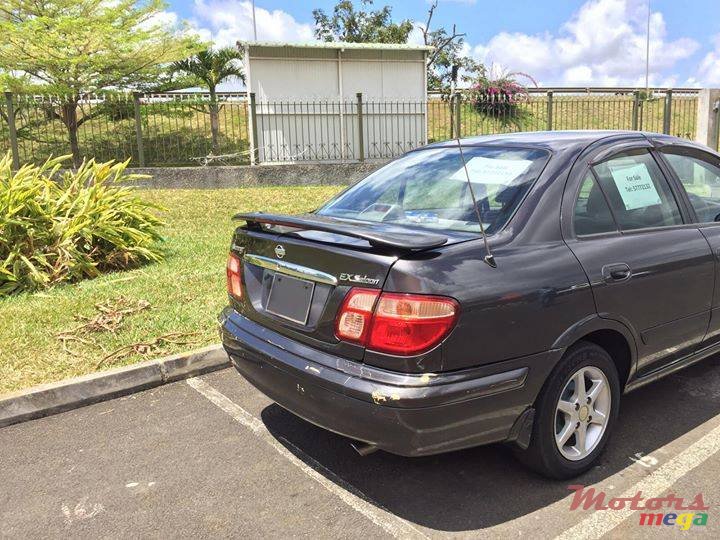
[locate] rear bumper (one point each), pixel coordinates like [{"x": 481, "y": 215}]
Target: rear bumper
[{"x": 406, "y": 414}]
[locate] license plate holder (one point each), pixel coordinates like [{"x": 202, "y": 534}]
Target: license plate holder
[{"x": 290, "y": 298}]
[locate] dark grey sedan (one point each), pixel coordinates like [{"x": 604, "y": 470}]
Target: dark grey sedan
[{"x": 501, "y": 288}]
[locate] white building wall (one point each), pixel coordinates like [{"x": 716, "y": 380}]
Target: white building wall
[
  {"x": 307, "y": 101},
  {"x": 288, "y": 80}
]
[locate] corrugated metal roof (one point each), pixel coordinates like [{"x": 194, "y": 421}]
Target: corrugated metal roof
[{"x": 338, "y": 45}]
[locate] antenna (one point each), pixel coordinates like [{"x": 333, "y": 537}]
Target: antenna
[{"x": 489, "y": 259}]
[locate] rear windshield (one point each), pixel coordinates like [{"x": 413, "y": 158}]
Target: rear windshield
[{"x": 429, "y": 189}]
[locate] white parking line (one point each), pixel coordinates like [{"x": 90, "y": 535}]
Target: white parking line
[
  {"x": 654, "y": 485},
  {"x": 350, "y": 495}
]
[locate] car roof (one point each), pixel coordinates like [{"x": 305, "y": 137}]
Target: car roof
[{"x": 551, "y": 140}]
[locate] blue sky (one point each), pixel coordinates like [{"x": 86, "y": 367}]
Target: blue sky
[{"x": 559, "y": 42}]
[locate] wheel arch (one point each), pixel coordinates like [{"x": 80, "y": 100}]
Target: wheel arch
[{"x": 611, "y": 335}]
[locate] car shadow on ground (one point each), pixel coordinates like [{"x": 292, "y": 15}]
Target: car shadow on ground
[{"x": 485, "y": 486}]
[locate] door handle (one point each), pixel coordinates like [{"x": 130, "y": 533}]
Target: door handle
[{"x": 616, "y": 272}]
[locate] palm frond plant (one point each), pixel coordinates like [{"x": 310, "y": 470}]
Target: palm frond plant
[
  {"x": 61, "y": 225},
  {"x": 210, "y": 68}
]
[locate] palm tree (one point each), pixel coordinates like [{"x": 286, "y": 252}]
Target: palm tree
[{"x": 210, "y": 68}]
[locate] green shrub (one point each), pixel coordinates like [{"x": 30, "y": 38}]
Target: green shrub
[
  {"x": 500, "y": 95},
  {"x": 59, "y": 226}
]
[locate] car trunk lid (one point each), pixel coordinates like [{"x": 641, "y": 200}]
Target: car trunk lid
[{"x": 297, "y": 270}]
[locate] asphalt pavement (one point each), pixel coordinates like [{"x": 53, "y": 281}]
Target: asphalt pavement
[{"x": 211, "y": 457}]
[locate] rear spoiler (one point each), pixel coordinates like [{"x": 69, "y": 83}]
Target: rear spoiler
[{"x": 379, "y": 235}]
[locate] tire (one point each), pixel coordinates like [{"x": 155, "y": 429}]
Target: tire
[{"x": 585, "y": 364}]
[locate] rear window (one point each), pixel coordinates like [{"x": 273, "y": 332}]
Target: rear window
[{"x": 429, "y": 189}]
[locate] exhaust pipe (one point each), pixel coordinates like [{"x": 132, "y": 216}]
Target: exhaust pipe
[{"x": 364, "y": 449}]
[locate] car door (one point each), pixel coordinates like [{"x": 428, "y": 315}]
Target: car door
[
  {"x": 698, "y": 172},
  {"x": 648, "y": 265}
]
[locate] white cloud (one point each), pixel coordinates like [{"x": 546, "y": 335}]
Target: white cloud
[
  {"x": 416, "y": 34},
  {"x": 228, "y": 21},
  {"x": 166, "y": 19},
  {"x": 603, "y": 43},
  {"x": 169, "y": 20},
  {"x": 709, "y": 69},
  {"x": 578, "y": 73}
]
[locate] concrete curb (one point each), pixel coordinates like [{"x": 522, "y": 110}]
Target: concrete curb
[
  {"x": 70, "y": 394},
  {"x": 296, "y": 174}
]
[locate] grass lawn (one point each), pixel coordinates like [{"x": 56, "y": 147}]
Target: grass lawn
[
  {"x": 569, "y": 113},
  {"x": 185, "y": 292}
]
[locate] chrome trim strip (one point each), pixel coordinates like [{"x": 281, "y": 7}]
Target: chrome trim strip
[{"x": 291, "y": 269}]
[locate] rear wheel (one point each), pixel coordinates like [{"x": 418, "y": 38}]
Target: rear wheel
[{"x": 575, "y": 413}]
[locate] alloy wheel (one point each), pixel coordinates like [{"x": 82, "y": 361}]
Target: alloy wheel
[{"x": 582, "y": 413}]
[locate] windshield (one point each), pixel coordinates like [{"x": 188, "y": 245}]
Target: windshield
[{"x": 429, "y": 189}]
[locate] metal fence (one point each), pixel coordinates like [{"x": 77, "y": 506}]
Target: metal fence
[
  {"x": 153, "y": 130},
  {"x": 357, "y": 130},
  {"x": 663, "y": 111},
  {"x": 191, "y": 129},
  {"x": 337, "y": 130}
]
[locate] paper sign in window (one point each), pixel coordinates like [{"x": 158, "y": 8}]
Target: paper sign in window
[
  {"x": 492, "y": 171},
  {"x": 635, "y": 186}
]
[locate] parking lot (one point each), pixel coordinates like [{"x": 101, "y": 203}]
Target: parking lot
[{"x": 212, "y": 456}]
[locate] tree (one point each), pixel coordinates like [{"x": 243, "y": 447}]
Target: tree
[
  {"x": 360, "y": 26},
  {"x": 210, "y": 68},
  {"x": 447, "y": 53},
  {"x": 77, "y": 47},
  {"x": 11, "y": 83}
]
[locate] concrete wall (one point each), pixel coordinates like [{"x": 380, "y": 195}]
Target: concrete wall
[{"x": 254, "y": 176}]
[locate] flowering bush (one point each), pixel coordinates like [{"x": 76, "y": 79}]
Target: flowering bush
[{"x": 499, "y": 96}]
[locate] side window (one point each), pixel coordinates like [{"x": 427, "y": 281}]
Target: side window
[
  {"x": 639, "y": 194},
  {"x": 592, "y": 215},
  {"x": 701, "y": 180}
]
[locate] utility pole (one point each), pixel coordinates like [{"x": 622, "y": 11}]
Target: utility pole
[
  {"x": 647, "y": 53},
  {"x": 254, "y": 25}
]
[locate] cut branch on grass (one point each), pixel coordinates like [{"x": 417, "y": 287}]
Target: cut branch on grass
[
  {"x": 110, "y": 316},
  {"x": 144, "y": 348},
  {"x": 108, "y": 319}
]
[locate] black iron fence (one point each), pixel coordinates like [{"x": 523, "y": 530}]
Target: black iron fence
[
  {"x": 195, "y": 129},
  {"x": 664, "y": 111},
  {"x": 337, "y": 130},
  {"x": 357, "y": 130},
  {"x": 153, "y": 130}
]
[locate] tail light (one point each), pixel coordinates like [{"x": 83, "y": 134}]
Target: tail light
[
  {"x": 355, "y": 316},
  {"x": 402, "y": 324},
  {"x": 409, "y": 324},
  {"x": 234, "y": 285}
]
